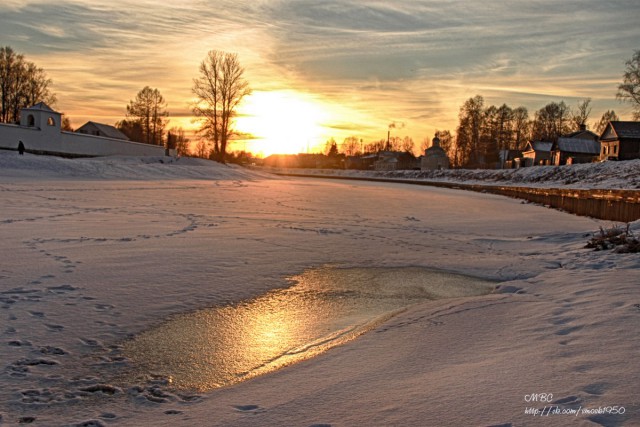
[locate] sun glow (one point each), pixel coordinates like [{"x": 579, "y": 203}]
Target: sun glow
[{"x": 282, "y": 122}]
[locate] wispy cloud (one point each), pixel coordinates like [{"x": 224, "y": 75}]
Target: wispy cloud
[{"x": 407, "y": 60}]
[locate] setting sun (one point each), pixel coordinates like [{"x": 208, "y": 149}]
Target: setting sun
[{"x": 283, "y": 122}]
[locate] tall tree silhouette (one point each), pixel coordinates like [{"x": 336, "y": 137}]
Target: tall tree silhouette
[{"x": 219, "y": 89}]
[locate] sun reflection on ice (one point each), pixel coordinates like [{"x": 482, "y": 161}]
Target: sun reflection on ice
[{"x": 325, "y": 307}]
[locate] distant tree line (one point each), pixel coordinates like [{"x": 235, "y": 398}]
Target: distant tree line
[{"x": 485, "y": 130}]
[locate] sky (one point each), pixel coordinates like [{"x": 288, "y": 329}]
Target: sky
[{"x": 331, "y": 68}]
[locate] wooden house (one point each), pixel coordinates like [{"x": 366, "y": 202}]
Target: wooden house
[
  {"x": 537, "y": 153},
  {"x": 620, "y": 141}
]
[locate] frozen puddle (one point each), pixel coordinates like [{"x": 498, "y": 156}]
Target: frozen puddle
[{"x": 325, "y": 307}]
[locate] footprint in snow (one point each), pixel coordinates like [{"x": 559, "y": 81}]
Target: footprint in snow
[
  {"x": 596, "y": 389},
  {"x": 569, "y": 400},
  {"x": 61, "y": 289},
  {"x": 248, "y": 409},
  {"x": 90, "y": 423}
]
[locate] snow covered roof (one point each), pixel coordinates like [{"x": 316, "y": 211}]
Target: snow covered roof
[
  {"x": 626, "y": 129},
  {"x": 103, "y": 130},
  {"x": 582, "y": 134},
  {"x": 41, "y": 106},
  {"x": 540, "y": 146},
  {"x": 579, "y": 145}
]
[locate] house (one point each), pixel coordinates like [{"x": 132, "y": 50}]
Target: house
[
  {"x": 100, "y": 129},
  {"x": 582, "y": 146},
  {"x": 364, "y": 162},
  {"x": 510, "y": 159},
  {"x": 571, "y": 150},
  {"x": 435, "y": 158},
  {"x": 620, "y": 141},
  {"x": 537, "y": 153},
  {"x": 395, "y": 160}
]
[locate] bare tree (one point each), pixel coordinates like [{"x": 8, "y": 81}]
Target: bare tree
[
  {"x": 471, "y": 118},
  {"x": 607, "y": 116},
  {"x": 131, "y": 128},
  {"x": 149, "y": 110},
  {"x": 521, "y": 127},
  {"x": 629, "y": 90},
  {"x": 219, "y": 89},
  {"x": 202, "y": 149},
  {"x": 375, "y": 146},
  {"x": 505, "y": 121},
  {"x": 331, "y": 147},
  {"x": 177, "y": 140},
  {"x": 66, "y": 123},
  {"x": 581, "y": 115},
  {"x": 407, "y": 145},
  {"x": 446, "y": 141},
  {"x": 463, "y": 145},
  {"x": 551, "y": 122},
  {"x": 22, "y": 84},
  {"x": 351, "y": 146}
]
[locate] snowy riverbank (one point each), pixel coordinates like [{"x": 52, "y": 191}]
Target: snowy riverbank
[
  {"x": 95, "y": 250},
  {"x": 606, "y": 175}
]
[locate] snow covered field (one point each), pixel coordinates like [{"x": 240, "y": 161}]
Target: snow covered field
[{"x": 94, "y": 251}]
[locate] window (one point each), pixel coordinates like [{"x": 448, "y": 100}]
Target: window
[
  {"x": 615, "y": 149},
  {"x": 31, "y": 121},
  {"x": 51, "y": 121}
]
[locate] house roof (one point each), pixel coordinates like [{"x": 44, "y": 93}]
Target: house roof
[
  {"x": 579, "y": 145},
  {"x": 41, "y": 106},
  {"x": 105, "y": 130},
  {"x": 582, "y": 134},
  {"x": 626, "y": 129},
  {"x": 540, "y": 146}
]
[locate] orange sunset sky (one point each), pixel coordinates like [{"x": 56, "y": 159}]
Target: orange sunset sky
[{"x": 331, "y": 68}]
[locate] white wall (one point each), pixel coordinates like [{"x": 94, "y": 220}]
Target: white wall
[
  {"x": 11, "y": 135},
  {"x": 91, "y": 145},
  {"x": 71, "y": 144}
]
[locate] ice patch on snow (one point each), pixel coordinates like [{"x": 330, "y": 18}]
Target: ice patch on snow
[{"x": 326, "y": 307}]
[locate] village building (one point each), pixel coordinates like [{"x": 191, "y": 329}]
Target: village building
[
  {"x": 582, "y": 146},
  {"x": 537, "y": 153},
  {"x": 363, "y": 162},
  {"x": 435, "y": 158},
  {"x": 620, "y": 141},
  {"x": 100, "y": 129},
  {"x": 395, "y": 160},
  {"x": 40, "y": 132},
  {"x": 510, "y": 159}
]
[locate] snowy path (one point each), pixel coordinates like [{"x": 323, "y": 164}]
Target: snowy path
[{"x": 87, "y": 263}]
